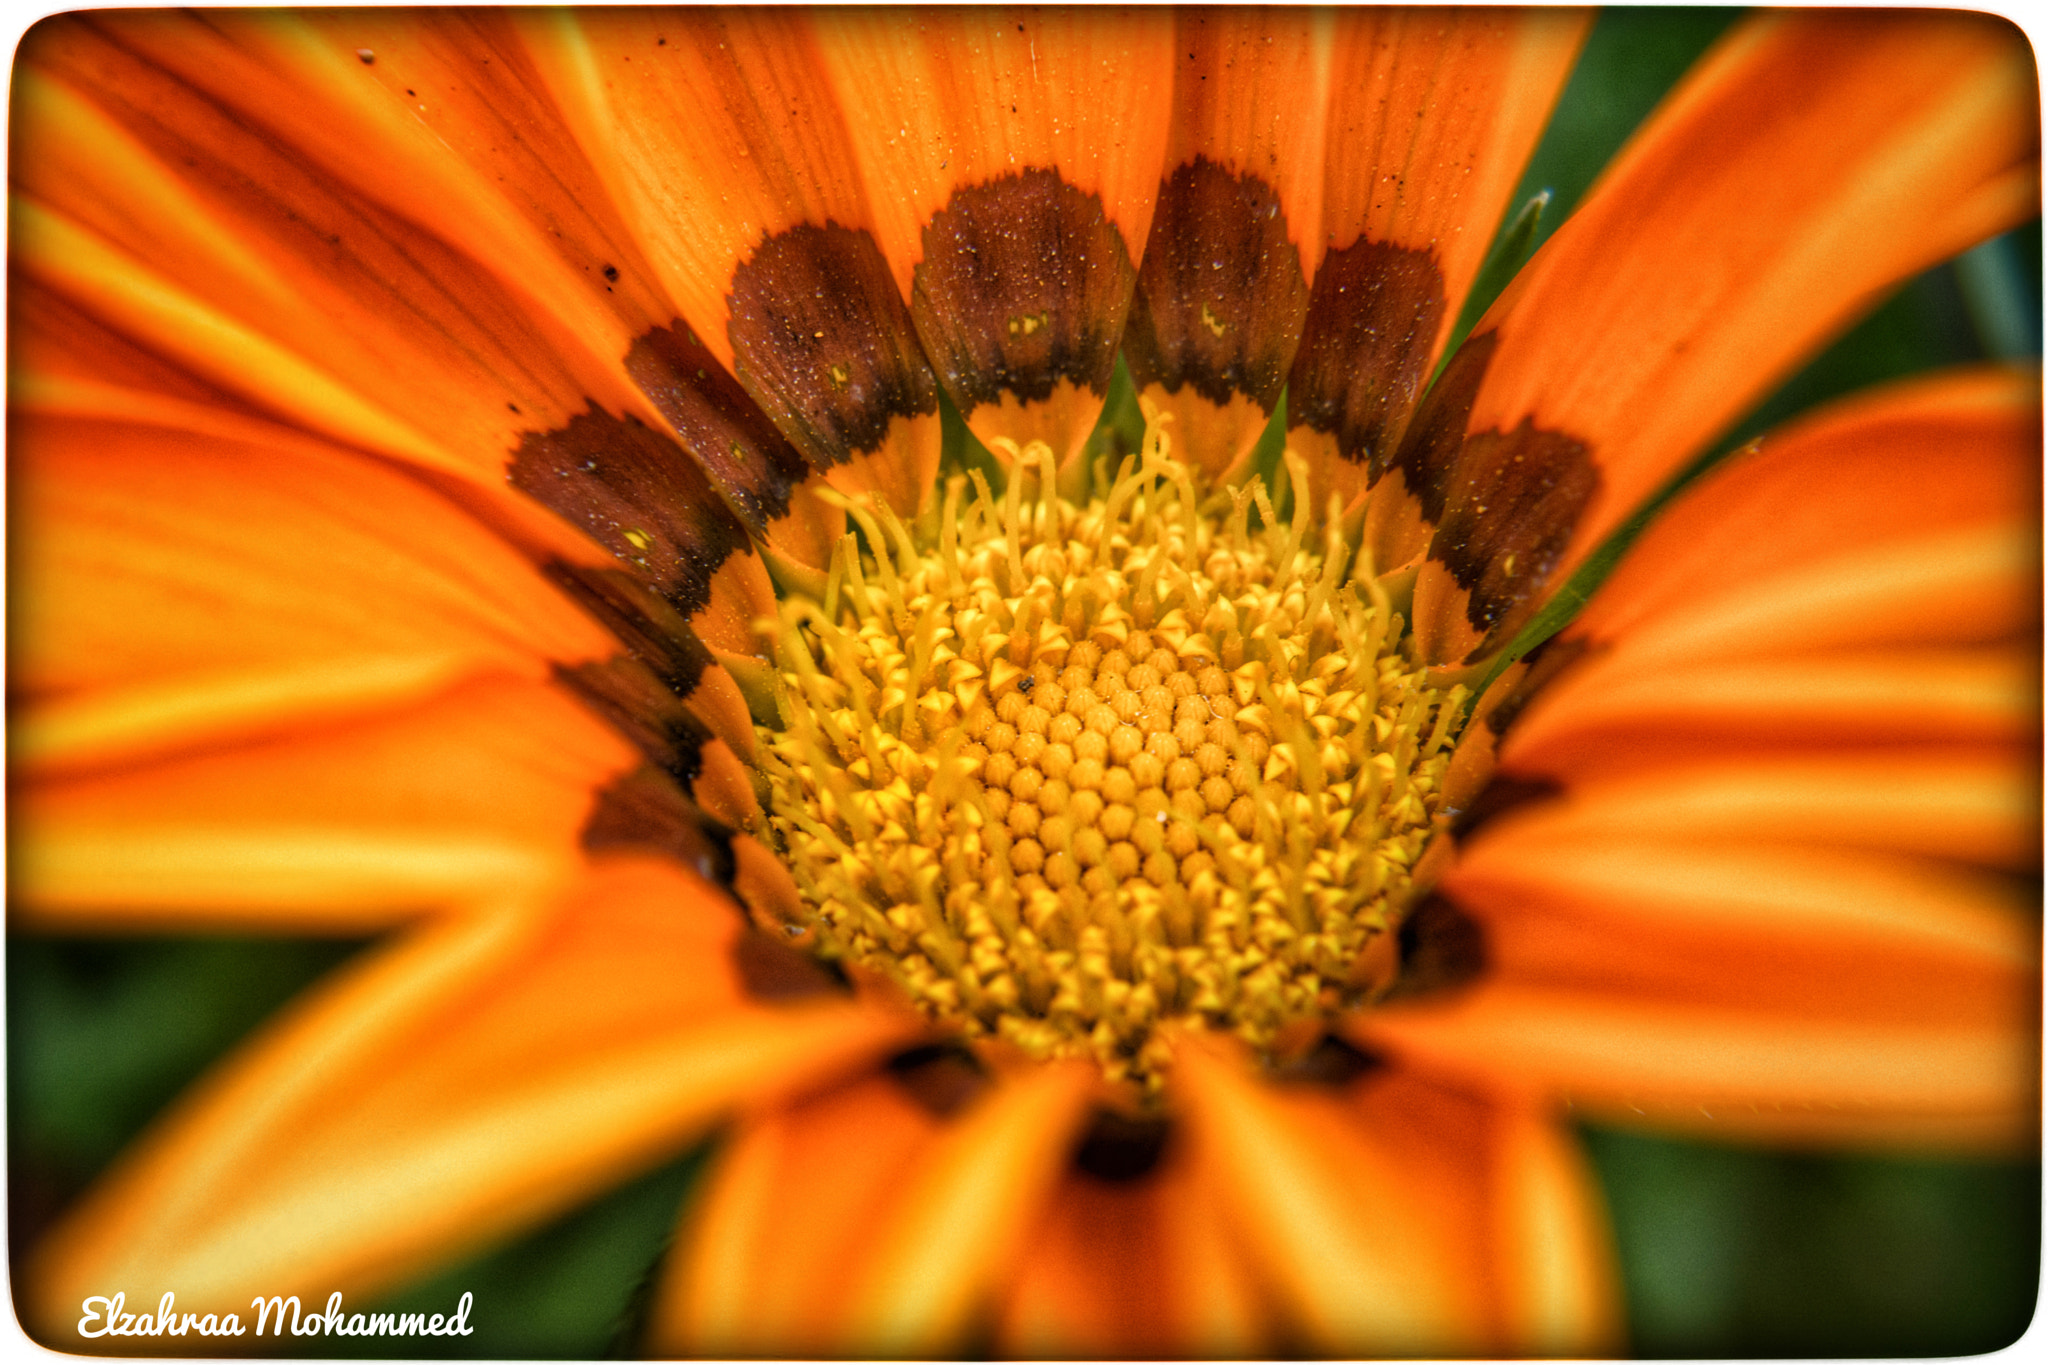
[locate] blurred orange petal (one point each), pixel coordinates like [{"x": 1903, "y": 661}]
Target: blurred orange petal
[
  {"x": 182, "y": 585},
  {"x": 467, "y": 1081},
  {"x": 474, "y": 794},
  {"x": 1133, "y": 1267},
  {"x": 1328, "y": 1214}
]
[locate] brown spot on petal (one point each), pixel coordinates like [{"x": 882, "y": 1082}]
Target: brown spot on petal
[
  {"x": 639, "y": 495},
  {"x": 1504, "y": 504},
  {"x": 1500, "y": 796},
  {"x": 1514, "y": 502},
  {"x": 645, "y": 810},
  {"x": 1118, "y": 1148},
  {"x": 1546, "y": 662},
  {"x": 1366, "y": 347},
  {"x": 641, "y": 692},
  {"x": 1442, "y": 949},
  {"x": 1429, "y": 449},
  {"x": 1221, "y": 299},
  {"x": 1024, "y": 283},
  {"x": 940, "y": 1076},
  {"x": 1330, "y": 1062},
  {"x": 769, "y": 970},
  {"x": 652, "y": 631},
  {"x": 746, "y": 456},
  {"x": 626, "y": 693},
  {"x": 822, "y": 340}
]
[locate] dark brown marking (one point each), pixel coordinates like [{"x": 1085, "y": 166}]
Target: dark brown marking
[
  {"x": 1514, "y": 502},
  {"x": 651, "y": 630},
  {"x": 747, "y": 458},
  {"x": 1442, "y": 949},
  {"x": 646, "y": 811},
  {"x": 770, "y": 970},
  {"x": 1221, "y": 299},
  {"x": 1366, "y": 346},
  {"x": 632, "y": 700},
  {"x": 642, "y": 691},
  {"x": 822, "y": 341},
  {"x": 943, "y": 1077},
  {"x": 1025, "y": 282},
  {"x": 1428, "y": 454},
  {"x": 638, "y": 495},
  {"x": 1505, "y": 504},
  {"x": 1498, "y": 797},
  {"x": 1119, "y": 1148},
  {"x": 1331, "y": 1062}
]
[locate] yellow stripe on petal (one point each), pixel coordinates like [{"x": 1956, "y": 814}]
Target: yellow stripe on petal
[
  {"x": 1560, "y": 1281},
  {"x": 1739, "y": 1072},
  {"x": 1797, "y": 897},
  {"x": 465, "y": 1083},
  {"x": 1325, "y": 1217},
  {"x": 456, "y": 799},
  {"x": 1943, "y": 803},
  {"x": 213, "y": 344},
  {"x": 143, "y": 721},
  {"x": 1611, "y": 715},
  {"x": 964, "y": 1211},
  {"x": 217, "y": 169}
]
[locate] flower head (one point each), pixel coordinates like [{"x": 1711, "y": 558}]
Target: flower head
[{"x": 623, "y": 501}]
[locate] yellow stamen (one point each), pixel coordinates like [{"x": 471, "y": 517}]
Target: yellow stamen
[{"x": 1073, "y": 771}]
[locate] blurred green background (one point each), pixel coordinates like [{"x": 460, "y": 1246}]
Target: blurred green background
[{"x": 1726, "y": 1251}]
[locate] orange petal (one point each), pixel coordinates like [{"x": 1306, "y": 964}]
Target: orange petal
[
  {"x": 791, "y": 1205},
  {"x": 1948, "y": 802},
  {"x": 1011, "y": 163},
  {"x": 858, "y": 1217},
  {"x": 1610, "y": 714},
  {"x": 491, "y": 164},
  {"x": 168, "y": 185},
  {"x": 743, "y": 191},
  {"x": 960, "y": 1217},
  {"x": 1808, "y": 163},
  {"x": 1223, "y": 286},
  {"x": 1918, "y": 488},
  {"x": 1432, "y": 115},
  {"x": 468, "y": 1081},
  {"x": 1814, "y": 931},
  {"x": 184, "y": 586},
  {"x": 1729, "y": 1070},
  {"x": 1134, "y": 1268},
  {"x": 1561, "y": 1286},
  {"x": 1897, "y": 521},
  {"x": 171, "y": 189},
  {"x": 476, "y": 793},
  {"x": 1362, "y": 1266},
  {"x": 1520, "y": 1211}
]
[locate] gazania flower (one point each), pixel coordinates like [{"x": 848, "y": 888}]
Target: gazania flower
[{"x": 492, "y": 479}]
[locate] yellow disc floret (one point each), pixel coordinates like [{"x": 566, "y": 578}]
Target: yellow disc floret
[{"x": 1073, "y": 771}]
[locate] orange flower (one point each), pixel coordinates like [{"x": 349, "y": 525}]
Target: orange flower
[{"x": 492, "y": 477}]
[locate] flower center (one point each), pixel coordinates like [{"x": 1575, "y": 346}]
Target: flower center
[{"x": 1079, "y": 770}]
